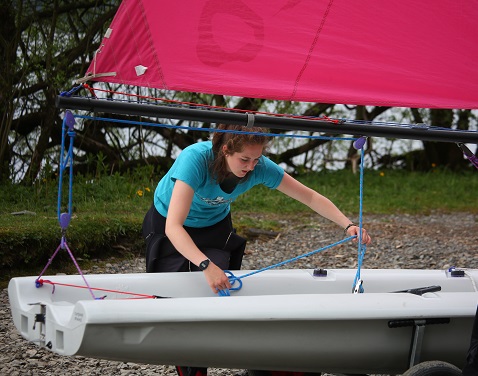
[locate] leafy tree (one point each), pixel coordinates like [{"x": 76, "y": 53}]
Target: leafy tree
[{"x": 45, "y": 44}]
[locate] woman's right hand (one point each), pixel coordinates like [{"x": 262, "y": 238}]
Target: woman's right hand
[{"x": 216, "y": 278}]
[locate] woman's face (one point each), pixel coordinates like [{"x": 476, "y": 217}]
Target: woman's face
[{"x": 240, "y": 163}]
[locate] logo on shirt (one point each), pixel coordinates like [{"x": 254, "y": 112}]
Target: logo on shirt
[{"x": 215, "y": 201}]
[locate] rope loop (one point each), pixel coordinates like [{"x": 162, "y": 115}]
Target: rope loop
[{"x": 233, "y": 279}]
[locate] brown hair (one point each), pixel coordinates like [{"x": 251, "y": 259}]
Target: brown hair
[{"x": 234, "y": 142}]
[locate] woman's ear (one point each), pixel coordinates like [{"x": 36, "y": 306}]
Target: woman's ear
[{"x": 224, "y": 149}]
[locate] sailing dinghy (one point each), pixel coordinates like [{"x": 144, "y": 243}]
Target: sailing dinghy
[{"x": 287, "y": 319}]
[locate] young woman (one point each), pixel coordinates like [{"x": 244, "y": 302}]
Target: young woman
[{"x": 189, "y": 227}]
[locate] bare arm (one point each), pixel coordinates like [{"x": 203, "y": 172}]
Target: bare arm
[
  {"x": 179, "y": 206},
  {"x": 318, "y": 203}
]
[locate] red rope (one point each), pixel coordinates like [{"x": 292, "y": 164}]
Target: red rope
[
  {"x": 138, "y": 295},
  {"x": 323, "y": 118}
]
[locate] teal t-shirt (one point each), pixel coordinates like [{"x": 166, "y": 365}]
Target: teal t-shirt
[{"x": 210, "y": 203}]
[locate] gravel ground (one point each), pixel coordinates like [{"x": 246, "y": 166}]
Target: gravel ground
[{"x": 435, "y": 241}]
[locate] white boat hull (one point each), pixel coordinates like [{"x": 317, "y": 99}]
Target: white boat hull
[{"x": 279, "y": 320}]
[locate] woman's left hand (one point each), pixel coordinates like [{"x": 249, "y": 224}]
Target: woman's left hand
[{"x": 355, "y": 230}]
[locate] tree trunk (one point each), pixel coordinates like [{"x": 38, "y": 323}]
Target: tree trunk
[
  {"x": 443, "y": 153},
  {"x": 8, "y": 43},
  {"x": 49, "y": 121},
  {"x": 47, "y": 126}
]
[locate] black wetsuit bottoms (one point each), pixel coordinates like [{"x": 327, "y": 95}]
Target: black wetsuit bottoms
[{"x": 218, "y": 242}]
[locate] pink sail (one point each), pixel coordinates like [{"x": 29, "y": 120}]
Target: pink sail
[{"x": 404, "y": 53}]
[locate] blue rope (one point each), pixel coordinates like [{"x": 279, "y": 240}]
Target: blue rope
[
  {"x": 184, "y": 127},
  {"x": 358, "y": 283},
  {"x": 233, "y": 278},
  {"x": 357, "y": 286},
  {"x": 71, "y": 92},
  {"x": 65, "y": 159}
]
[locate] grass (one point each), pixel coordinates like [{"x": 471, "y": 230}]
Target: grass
[
  {"x": 385, "y": 192},
  {"x": 109, "y": 210}
]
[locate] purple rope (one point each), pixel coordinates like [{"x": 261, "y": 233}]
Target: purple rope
[
  {"x": 78, "y": 268},
  {"x": 47, "y": 265},
  {"x": 468, "y": 154},
  {"x": 64, "y": 245},
  {"x": 473, "y": 159}
]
